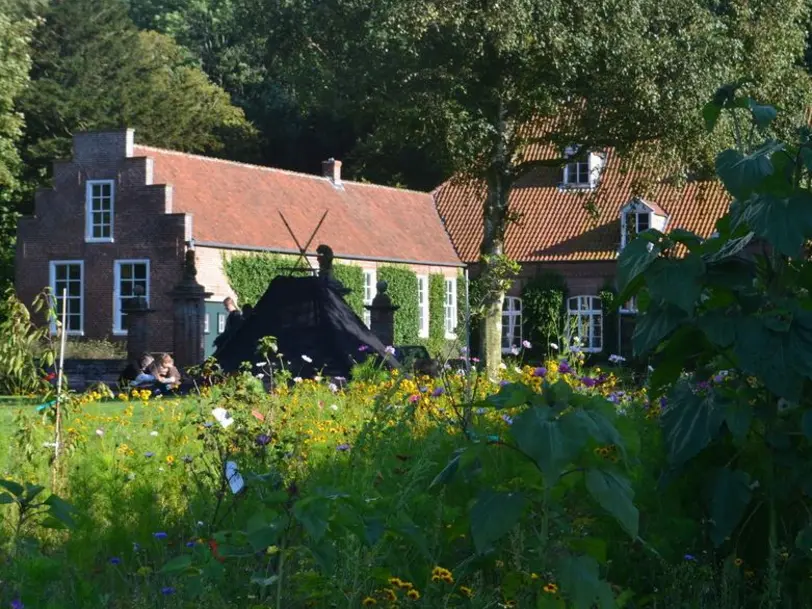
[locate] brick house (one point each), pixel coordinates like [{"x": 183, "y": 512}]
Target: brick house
[
  {"x": 120, "y": 216},
  {"x": 575, "y": 220}
]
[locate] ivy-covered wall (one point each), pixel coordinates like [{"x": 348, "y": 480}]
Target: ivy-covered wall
[
  {"x": 250, "y": 274},
  {"x": 402, "y": 288},
  {"x": 610, "y": 321},
  {"x": 544, "y": 318}
]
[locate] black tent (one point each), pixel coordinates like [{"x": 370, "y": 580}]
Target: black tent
[{"x": 310, "y": 321}]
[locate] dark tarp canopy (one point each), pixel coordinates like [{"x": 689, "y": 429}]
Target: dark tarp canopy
[{"x": 308, "y": 318}]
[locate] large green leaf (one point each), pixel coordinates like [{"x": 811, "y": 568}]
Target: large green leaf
[
  {"x": 635, "y": 258},
  {"x": 314, "y": 514},
  {"x": 655, "y": 326},
  {"x": 177, "y": 564},
  {"x": 510, "y": 396},
  {"x": 13, "y": 487},
  {"x": 730, "y": 497},
  {"x": 598, "y": 425},
  {"x": 738, "y": 418},
  {"x": 543, "y": 439},
  {"x": 581, "y": 582},
  {"x": 740, "y": 173},
  {"x": 719, "y": 327},
  {"x": 785, "y": 223},
  {"x": 711, "y": 112},
  {"x": 493, "y": 515},
  {"x": 762, "y": 115},
  {"x": 614, "y": 493},
  {"x": 689, "y": 420},
  {"x": 677, "y": 281},
  {"x": 61, "y": 510},
  {"x": 766, "y": 355}
]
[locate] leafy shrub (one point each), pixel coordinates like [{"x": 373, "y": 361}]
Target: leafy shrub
[
  {"x": 544, "y": 311},
  {"x": 95, "y": 349},
  {"x": 402, "y": 288},
  {"x": 25, "y": 349}
]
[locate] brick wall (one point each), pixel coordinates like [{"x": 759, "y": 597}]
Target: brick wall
[
  {"x": 143, "y": 228},
  {"x": 583, "y": 278}
]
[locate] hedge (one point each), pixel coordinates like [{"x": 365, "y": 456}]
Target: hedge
[
  {"x": 544, "y": 318},
  {"x": 402, "y": 288},
  {"x": 250, "y": 274}
]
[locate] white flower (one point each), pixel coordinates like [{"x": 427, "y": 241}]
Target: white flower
[
  {"x": 222, "y": 417},
  {"x": 616, "y": 359},
  {"x": 100, "y": 432},
  {"x": 526, "y": 344},
  {"x": 297, "y": 379},
  {"x": 261, "y": 364},
  {"x": 502, "y": 366},
  {"x": 390, "y": 350},
  {"x": 334, "y": 407},
  {"x": 333, "y": 387},
  {"x": 576, "y": 340},
  {"x": 317, "y": 378},
  {"x": 514, "y": 350},
  {"x": 517, "y": 370},
  {"x": 153, "y": 433},
  {"x": 307, "y": 359},
  {"x": 554, "y": 346},
  {"x": 260, "y": 376}
]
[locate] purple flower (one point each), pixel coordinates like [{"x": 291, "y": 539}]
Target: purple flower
[
  {"x": 481, "y": 411},
  {"x": 363, "y": 348},
  {"x": 343, "y": 447},
  {"x": 703, "y": 385},
  {"x": 507, "y": 419},
  {"x": 136, "y": 547},
  {"x": 115, "y": 560},
  {"x": 437, "y": 392},
  {"x": 263, "y": 439},
  {"x": 588, "y": 381},
  {"x": 541, "y": 371},
  {"x": 614, "y": 397},
  {"x": 167, "y": 591},
  {"x": 149, "y": 454},
  {"x": 17, "y": 604},
  {"x": 689, "y": 557},
  {"x": 564, "y": 367},
  {"x": 160, "y": 535},
  {"x": 503, "y": 383},
  {"x": 190, "y": 544},
  {"x": 208, "y": 425},
  {"x": 414, "y": 398},
  {"x": 663, "y": 402},
  {"x": 423, "y": 389}
]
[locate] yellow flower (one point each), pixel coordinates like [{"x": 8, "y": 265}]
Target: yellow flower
[
  {"x": 170, "y": 459},
  {"x": 369, "y": 601},
  {"x": 738, "y": 562},
  {"x": 395, "y": 581},
  {"x": 390, "y": 594},
  {"x": 551, "y": 588},
  {"x": 510, "y": 603},
  {"x": 534, "y": 576},
  {"x": 466, "y": 591},
  {"x": 406, "y": 585},
  {"x": 413, "y": 594}
]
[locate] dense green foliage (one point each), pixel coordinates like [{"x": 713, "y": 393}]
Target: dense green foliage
[
  {"x": 734, "y": 312},
  {"x": 249, "y": 275},
  {"x": 436, "y": 311},
  {"x": 26, "y": 351},
  {"x": 402, "y": 289},
  {"x": 610, "y": 321},
  {"x": 544, "y": 300}
]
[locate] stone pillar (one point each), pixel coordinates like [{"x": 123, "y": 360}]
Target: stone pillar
[
  {"x": 382, "y": 315},
  {"x": 188, "y": 315},
  {"x": 137, "y": 322}
]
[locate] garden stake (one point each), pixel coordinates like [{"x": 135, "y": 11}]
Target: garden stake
[{"x": 62, "y": 340}]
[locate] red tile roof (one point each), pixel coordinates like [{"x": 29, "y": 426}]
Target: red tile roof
[
  {"x": 233, "y": 204},
  {"x": 558, "y": 224}
]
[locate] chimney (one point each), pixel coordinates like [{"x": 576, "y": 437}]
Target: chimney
[{"x": 332, "y": 169}]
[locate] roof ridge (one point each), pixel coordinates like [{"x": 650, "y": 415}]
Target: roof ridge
[{"x": 277, "y": 169}]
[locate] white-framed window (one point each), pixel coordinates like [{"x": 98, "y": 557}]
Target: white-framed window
[
  {"x": 423, "y": 306},
  {"x": 630, "y": 306},
  {"x": 586, "y": 322},
  {"x": 511, "y": 323},
  {"x": 99, "y": 209},
  {"x": 633, "y": 223},
  {"x": 67, "y": 277},
  {"x": 206, "y": 324},
  {"x": 577, "y": 173},
  {"x": 221, "y": 323},
  {"x": 128, "y": 275},
  {"x": 369, "y": 293},
  {"x": 450, "y": 308}
]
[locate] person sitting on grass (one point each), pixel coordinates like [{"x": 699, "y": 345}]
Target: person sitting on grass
[
  {"x": 136, "y": 373},
  {"x": 165, "y": 374}
]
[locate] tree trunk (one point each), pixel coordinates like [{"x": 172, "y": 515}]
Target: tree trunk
[{"x": 495, "y": 218}]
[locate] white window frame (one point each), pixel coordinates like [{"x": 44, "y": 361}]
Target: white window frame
[
  {"x": 576, "y": 168},
  {"x": 423, "y": 306},
  {"x": 511, "y": 321},
  {"x": 221, "y": 323},
  {"x": 450, "y": 308},
  {"x": 577, "y": 312},
  {"x": 206, "y": 323},
  {"x": 89, "y": 210},
  {"x": 118, "y": 330},
  {"x": 56, "y": 296},
  {"x": 370, "y": 283},
  {"x": 634, "y": 216}
]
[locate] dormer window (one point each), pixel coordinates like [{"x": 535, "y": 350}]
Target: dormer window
[
  {"x": 638, "y": 216},
  {"x": 583, "y": 172}
]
